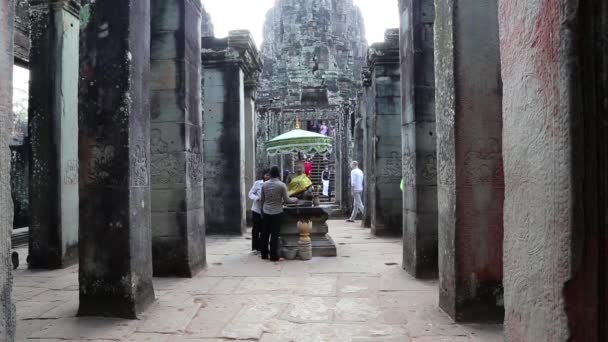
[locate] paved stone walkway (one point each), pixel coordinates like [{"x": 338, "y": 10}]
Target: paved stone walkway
[{"x": 362, "y": 295}]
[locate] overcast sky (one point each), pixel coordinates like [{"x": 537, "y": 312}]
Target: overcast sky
[{"x": 250, "y": 14}]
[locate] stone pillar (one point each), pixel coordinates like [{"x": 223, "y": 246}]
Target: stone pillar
[
  {"x": 368, "y": 170},
  {"x": 53, "y": 122},
  {"x": 178, "y": 231},
  {"x": 385, "y": 206},
  {"x": 250, "y": 135},
  {"x": 7, "y": 308},
  {"x": 115, "y": 247},
  {"x": 555, "y": 74},
  {"x": 418, "y": 137},
  {"x": 229, "y": 64},
  {"x": 469, "y": 150}
]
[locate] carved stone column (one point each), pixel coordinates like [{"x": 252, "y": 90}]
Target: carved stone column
[
  {"x": 418, "y": 136},
  {"x": 7, "y": 308},
  {"x": 53, "y": 122},
  {"x": 115, "y": 246},
  {"x": 385, "y": 206},
  {"x": 229, "y": 63},
  {"x": 469, "y": 151},
  {"x": 178, "y": 232}
]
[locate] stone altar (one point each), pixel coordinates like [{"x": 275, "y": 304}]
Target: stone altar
[{"x": 322, "y": 244}]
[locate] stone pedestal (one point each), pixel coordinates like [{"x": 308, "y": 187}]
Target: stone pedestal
[
  {"x": 322, "y": 244},
  {"x": 229, "y": 64},
  {"x": 469, "y": 150},
  {"x": 418, "y": 137},
  {"x": 7, "y": 308},
  {"x": 556, "y": 162},
  {"x": 384, "y": 175},
  {"x": 178, "y": 241},
  {"x": 53, "y": 122},
  {"x": 115, "y": 245}
]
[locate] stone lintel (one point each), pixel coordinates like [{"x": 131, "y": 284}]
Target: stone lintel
[
  {"x": 238, "y": 48},
  {"x": 71, "y": 6},
  {"x": 384, "y": 52}
]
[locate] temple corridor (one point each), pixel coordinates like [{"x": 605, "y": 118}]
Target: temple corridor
[{"x": 363, "y": 295}]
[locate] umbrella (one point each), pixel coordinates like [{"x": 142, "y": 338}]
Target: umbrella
[{"x": 299, "y": 140}]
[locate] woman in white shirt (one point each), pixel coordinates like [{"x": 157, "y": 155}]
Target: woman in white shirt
[{"x": 255, "y": 195}]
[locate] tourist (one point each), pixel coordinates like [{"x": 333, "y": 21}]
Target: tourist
[
  {"x": 356, "y": 182},
  {"x": 308, "y": 167},
  {"x": 256, "y": 210},
  {"x": 324, "y": 129},
  {"x": 325, "y": 178},
  {"x": 274, "y": 195}
]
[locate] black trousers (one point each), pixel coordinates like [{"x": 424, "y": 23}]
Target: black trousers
[
  {"x": 256, "y": 231},
  {"x": 271, "y": 231}
]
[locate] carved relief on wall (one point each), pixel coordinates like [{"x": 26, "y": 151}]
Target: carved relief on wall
[
  {"x": 390, "y": 169},
  {"x": 139, "y": 168},
  {"x": 483, "y": 162},
  {"x": 70, "y": 174},
  {"x": 100, "y": 164},
  {"x": 429, "y": 168},
  {"x": 195, "y": 168}
]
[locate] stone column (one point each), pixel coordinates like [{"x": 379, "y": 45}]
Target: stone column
[
  {"x": 178, "y": 232},
  {"x": 115, "y": 247},
  {"x": 469, "y": 150},
  {"x": 229, "y": 64},
  {"x": 7, "y": 308},
  {"x": 250, "y": 134},
  {"x": 555, "y": 74},
  {"x": 418, "y": 137},
  {"x": 53, "y": 122},
  {"x": 368, "y": 170},
  {"x": 385, "y": 206}
]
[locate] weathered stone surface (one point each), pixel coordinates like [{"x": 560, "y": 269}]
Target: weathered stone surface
[
  {"x": 349, "y": 299},
  {"x": 115, "y": 269},
  {"x": 230, "y": 64},
  {"x": 22, "y": 32},
  {"x": 470, "y": 178},
  {"x": 312, "y": 44},
  {"x": 207, "y": 29},
  {"x": 366, "y": 108},
  {"x": 384, "y": 174},
  {"x": 53, "y": 135},
  {"x": 418, "y": 138},
  {"x": 7, "y": 309},
  {"x": 176, "y": 146},
  {"x": 554, "y": 69}
]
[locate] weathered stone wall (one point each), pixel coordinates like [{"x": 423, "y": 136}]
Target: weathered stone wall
[
  {"x": 554, "y": 69},
  {"x": 22, "y": 31},
  {"x": 308, "y": 44},
  {"x": 418, "y": 137},
  {"x": 469, "y": 145},
  {"x": 7, "y": 309},
  {"x": 20, "y": 184}
]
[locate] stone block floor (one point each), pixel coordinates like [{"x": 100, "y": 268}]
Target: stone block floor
[{"x": 362, "y": 295}]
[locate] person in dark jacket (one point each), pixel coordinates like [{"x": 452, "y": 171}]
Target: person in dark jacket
[{"x": 274, "y": 195}]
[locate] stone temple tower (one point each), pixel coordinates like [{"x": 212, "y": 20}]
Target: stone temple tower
[{"x": 313, "y": 52}]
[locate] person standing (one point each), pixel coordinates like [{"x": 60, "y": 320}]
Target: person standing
[
  {"x": 273, "y": 196},
  {"x": 356, "y": 182},
  {"x": 323, "y": 129},
  {"x": 325, "y": 178},
  {"x": 256, "y": 210},
  {"x": 308, "y": 167}
]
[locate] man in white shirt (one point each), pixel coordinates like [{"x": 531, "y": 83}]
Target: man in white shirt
[{"x": 356, "y": 183}]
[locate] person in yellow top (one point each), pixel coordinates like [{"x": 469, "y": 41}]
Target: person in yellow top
[{"x": 299, "y": 184}]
